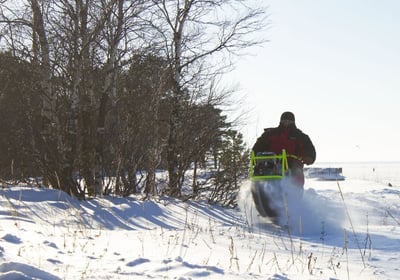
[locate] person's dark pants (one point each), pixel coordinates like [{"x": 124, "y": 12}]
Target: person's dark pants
[{"x": 297, "y": 177}]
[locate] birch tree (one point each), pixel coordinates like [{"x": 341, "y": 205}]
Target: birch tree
[
  {"x": 198, "y": 38},
  {"x": 79, "y": 45}
]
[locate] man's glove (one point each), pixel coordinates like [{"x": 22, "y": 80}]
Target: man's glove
[{"x": 307, "y": 160}]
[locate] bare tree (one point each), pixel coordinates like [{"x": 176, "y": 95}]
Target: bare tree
[
  {"x": 197, "y": 39},
  {"x": 26, "y": 35},
  {"x": 75, "y": 42},
  {"x": 96, "y": 121},
  {"x": 101, "y": 33},
  {"x": 142, "y": 125}
]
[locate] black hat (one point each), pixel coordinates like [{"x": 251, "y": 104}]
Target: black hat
[{"x": 287, "y": 116}]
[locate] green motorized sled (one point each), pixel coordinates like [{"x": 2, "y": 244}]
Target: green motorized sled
[
  {"x": 267, "y": 170},
  {"x": 268, "y": 166}
]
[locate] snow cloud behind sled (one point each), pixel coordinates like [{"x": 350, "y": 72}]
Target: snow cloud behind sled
[{"x": 305, "y": 215}]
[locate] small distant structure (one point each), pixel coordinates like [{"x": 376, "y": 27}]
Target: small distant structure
[{"x": 324, "y": 173}]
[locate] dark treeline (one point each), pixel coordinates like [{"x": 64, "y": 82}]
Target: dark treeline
[{"x": 95, "y": 92}]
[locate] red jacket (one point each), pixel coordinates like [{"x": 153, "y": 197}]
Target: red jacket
[{"x": 292, "y": 139}]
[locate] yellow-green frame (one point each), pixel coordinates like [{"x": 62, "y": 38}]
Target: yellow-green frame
[{"x": 253, "y": 162}]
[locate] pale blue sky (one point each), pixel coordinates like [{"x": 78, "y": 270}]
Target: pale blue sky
[{"x": 336, "y": 65}]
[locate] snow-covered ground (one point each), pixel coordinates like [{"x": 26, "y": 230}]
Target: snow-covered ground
[{"x": 340, "y": 230}]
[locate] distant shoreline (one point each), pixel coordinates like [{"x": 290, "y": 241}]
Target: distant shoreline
[{"x": 355, "y": 162}]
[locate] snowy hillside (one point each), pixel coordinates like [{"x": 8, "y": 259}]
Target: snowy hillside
[{"x": 345, "y": 230}]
